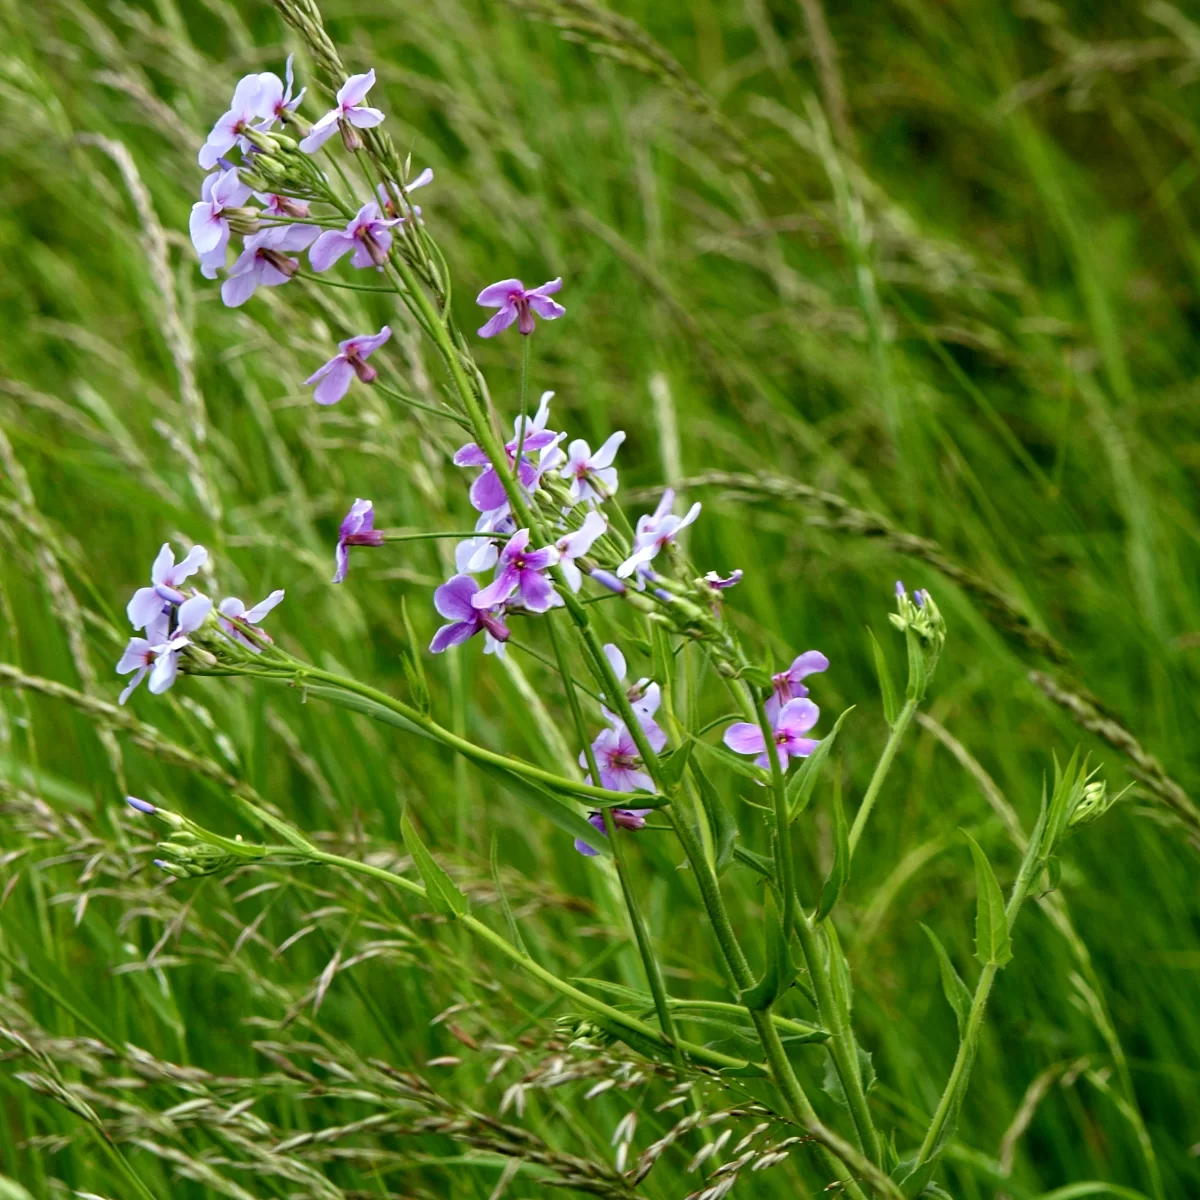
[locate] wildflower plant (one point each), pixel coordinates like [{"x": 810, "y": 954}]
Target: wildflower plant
[{"x": 552, "y": 541}]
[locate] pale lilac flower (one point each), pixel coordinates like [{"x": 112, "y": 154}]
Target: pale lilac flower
[
  {"x": 796, "y": 717},
  {"x": 787, "y": 685},
  {"x": 718, "y": 584},
  {"x": 576, "y": 544},
  {"x": 368, "y": 235},
  {"x": 387, "y": 198},
  {"x": 235, "y": 618},
  {"x": 141, "y": 652},
  {"x": 264, "y": 262},
  {"x": 623, "y": 818},
  {"x": 276, "y": 204},
  {"x": 208, "y": 224},
  {"x": 520, "y": 573},
  {"x": 357, "y": 529},
  {"x": 276, "y": 103},
  {"x": 350, "y": 109},
  {"x": 478, "y": 554},
  {"x": 142, "y": 806},
  {"x": 517, "y": 304},
  {"x": 585, "y": 470},
  {"x": 608, "y": 580},
  {"x": 644, "y": 698},
  {"x": 250, "y": 103},
  {"x": 333, "y": 379},
  {"x": 166, "y": 578},
  {"x": 455, "y": 601},
  {"x": 618, "y": 761},
  {"x": 655, "y": 531},
  {"x": 487, "y": 492},
  {"x": 191, "y": 615}
]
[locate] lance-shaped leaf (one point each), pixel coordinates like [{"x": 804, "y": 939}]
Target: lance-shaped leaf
[
  {"x": 673, "y": 765},
  {"x": 414, "y": 668},
  {"x": 441, "y": 890},
  {"x": 800, "y": 789},
  {"x": 721, "y": 826},
  {"x": 778, "y": 974},
  {"x": 840, "y": 871},
  {"x": 958, "y": 995},
  {"x": 891, "y": 707},
  {"x": 993, "y": 946}
]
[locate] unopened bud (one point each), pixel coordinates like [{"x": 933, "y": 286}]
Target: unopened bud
[
  {"x": 1094, "y": 803},
  {"x": 285, "y": 266},
  {"x": 242, "y": 220},
  {"x": 288, "y": 143},
  {"x": 260, "y": 140},
  {"x": 350, "y": 137}
]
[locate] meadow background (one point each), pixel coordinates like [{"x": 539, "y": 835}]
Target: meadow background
[{"x": 939, "y": 260}]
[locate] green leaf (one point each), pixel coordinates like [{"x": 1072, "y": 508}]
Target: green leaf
[
  {"x": 800, "y": 786},
  {"x": 761, "y": 863},
  {"x": 414, "y": 669},
  {"x": 441, "y": 890},
  {"x": 840, "y": 871},
  {"x": 891, "y": 707},
  {"x": 831, "y": 1084},
  {"x": 361, "y": 704},
  {"x": 617, "y": 991},
  {"x": 721, "y": 825},
  {"x": 958, "y": 995},
  {"x": 742, "y": 766},
  {"x": 778, "y": 972},
  {"x": 674, "y": 764},
  {"x": 289, "y": 833},
  {"x": 757, "y": 675},
  {"x": 993, "y": 946},
  {"x": 839, "y": 973},
  {"x": 916, "y": 665}
]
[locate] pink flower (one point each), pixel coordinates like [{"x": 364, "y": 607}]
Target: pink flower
[
  {"x": 208, "y": 224},
  {"x": 236, "y": 619},
  {"x": 644, "y": 698},
  {"x": 149, "y": 604},
  {"x": 350, "y": 111},
  {"x": 623, "y": 818},
  {"x": 787, "y": 683},
  {"x": 513, "y": 301},
  {"x": 521, "y": 573},
  {"x": 618, "y": 761},
  {"x": 367, "y": 235},
  {"x": 655, "y": 531},
  {"x": 251, "y": 102},
  {"x": 794, "y": 718},
  {"x": 275, "y": 103},
  {"x": 387, "y": 198},
  {"x": 576, "y": 544},
  {"x": 357, "y": 529},
  {"x": 455, "y": 600},
  {"x": 264, "y": 261},
  {"x": 487, "y": 492},
  {"x": 585, "y": 470},
  {"x": 334, "y": 377}
]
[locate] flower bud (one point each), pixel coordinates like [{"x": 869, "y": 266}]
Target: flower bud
[
  {"x": 260, "y": 140},
  {"x": 350, "y": 137},
  {"x": 1093, "y": 804},
  {"x": 242, "y": 220},
  {"x": 288, "y": 143}
]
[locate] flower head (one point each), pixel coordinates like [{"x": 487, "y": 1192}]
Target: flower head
[
  {"x": 592, "y": 476},
  {"x": 644, "y": 698},
  {"x": 623, "y": 818},
  {"x": 275, "y": 204},
  {"x": 455, "y": 601},
  {"x": 264, "y": 262},
  {"x": 158, "y": 652},
  {"x": 618, "y": 761},
  {"x": 251, "y": 102},
  {"x": 276, "y": 103},
  {"x": 150, "y": 604},
  {"x": 333, "y": 379},
  {"x": 350, "y": 113},
  {"x": 357, "y": 529},
  {"x": 787, "y": 685},
  {"x": 368, "y": 235},
  {"x": 209, "y": 224},
  {"x": 487, "y": 492},
  {"x": 521, "y": 574},
  {"x": 718, "y": 584},
  {"x": 577, "y": 543},
  {"x": 517, "y": 304},
  {"x": 478, "y": 554},
  {"x": 655, "y": 531},
  {"x": 388, "y": 197},
  {"x": 236, "y": 619},
  {"x": 796, "y": 717}
]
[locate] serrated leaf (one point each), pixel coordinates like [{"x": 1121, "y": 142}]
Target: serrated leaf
[
  {"x": 440, "y": 889},
  {"x": 840, "y": 871},
  {"x": 800, "y": 786},
  {"x": 414, "y": 668},
  {"x": 958, "y": 995},
  {"x": 778, "y": 972},
  {"x": 721, "y": 825},
  {"x": 887, "y": 689},
  {"x": 993, "y": 946}
]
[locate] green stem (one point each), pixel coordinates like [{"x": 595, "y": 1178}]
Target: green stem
[
  {"x": 784, "y": 1024},
  {"x": 640, "y": 932},
  {"x": 700, "y": 1054},
  {"x": 881, "y": 770},
  {"x": 523, "y": 406},
  {"x": 425, "y": 537},
  {"x": 783, "y": 826}
]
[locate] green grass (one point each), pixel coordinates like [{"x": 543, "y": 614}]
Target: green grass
[{"x": 968, "y": 306}]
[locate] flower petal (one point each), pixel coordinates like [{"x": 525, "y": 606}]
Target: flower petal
[
  {"x": 615, "y": 659},
  {"x": 355, "y": 89},
  {"x": 797, "y": 716},
  {"x": 260, "y": 610},
  {"x": 500, "y": 322},
  {"x": 497, "y": 294},
  {"x": 546, "y": 308},
  {"x": 605, "y": 455},
  {"x": 364, "y": 118},
  {"x": 328, "y": 248},
  {"x": 163, "y": 673},
  {"x": 453, "y": 598},
  {"x": 144, "y": 607},
  {"x": 811, "y": 662},
  {"x": 335, "y": 383},
  {"x": 744, "y": 738},
  {"x": 192, "y": 613},
  {"x": 320, "y": 133}
]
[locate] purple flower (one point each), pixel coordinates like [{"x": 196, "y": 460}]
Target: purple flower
[
  {"x": 388, "y": 198},
  {"x": 278, "y": 205},
  {"x": 644, "y": 698},
  {"x": 574, "y": 545},
  {"x": 358, "y": 529},
  {"x": 718, "y": 584},
  {"x": 333, "y": 379},
  {"x": 208, "y": 224},
  {"x": 235, "y": 618},
  {"x": 618, "y": 761},
  {"x": 609, "y": 580},
  {"x": 251, "y": 102},
  {"x": 520, "y": 572},
  {"x": 141, "y": 652},
  {"x": 623, "y": 818},
  {"x": 787, "y": 683},
  {"x": 585, "y": 470},
  {"x": 264, "y": 262},
  {"x": 513, "y": 301},
  {"x": 794, "y": 718},
  {"x": 487, "y": 492},
  {"x": 479, "y": 554},
  {"x": 191, "y": 615},
  {"x": 350, "y": 111},
  {"x": 455, "y": 601},
  {"x": 275, "y": 103},
  {"x": 655, "y": 531},
  {"x": 369, "y": 236},
  {"x": 166, "y": 577}
]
